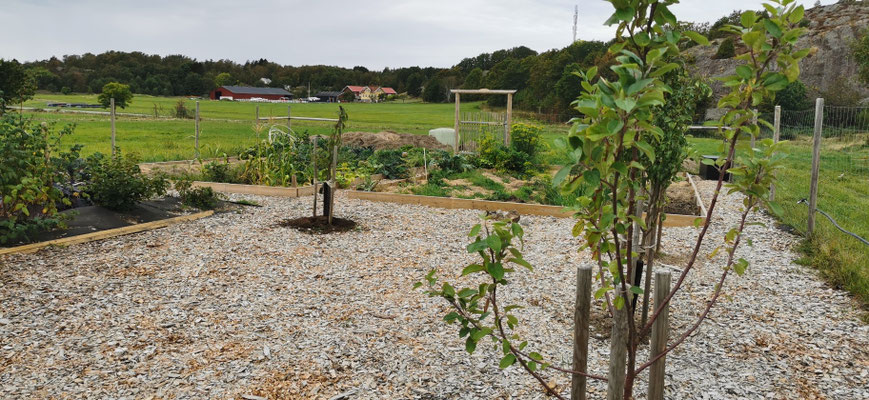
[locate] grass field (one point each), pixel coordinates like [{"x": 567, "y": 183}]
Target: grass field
[
  {"x": 839, "y": 258},
  {"x": 228, "y": 127}
]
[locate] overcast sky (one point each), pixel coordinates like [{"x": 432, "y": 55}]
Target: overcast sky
[{"x": 372, "y": 33}]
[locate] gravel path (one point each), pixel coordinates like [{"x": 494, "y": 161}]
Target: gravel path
[{"x": 234, "y": 305}]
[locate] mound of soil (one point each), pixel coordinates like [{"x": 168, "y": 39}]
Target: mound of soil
[
  {"x": 391, "y": 140},
  {"x": 319, "y": 224},
  {"x": 681, "y": 199}
]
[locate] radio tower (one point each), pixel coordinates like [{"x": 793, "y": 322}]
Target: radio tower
[{"x": 575, "y": 18}]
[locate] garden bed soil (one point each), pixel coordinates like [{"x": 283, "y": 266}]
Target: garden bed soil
[
  {"x": 681, "y": 199},
  {"x": 319, "y": 224},
  {"x": 89, "y": 219},
  {"x": 391, "y": 140}
]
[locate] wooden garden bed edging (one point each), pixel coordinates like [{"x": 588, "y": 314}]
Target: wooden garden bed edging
[
  {"x": 109, "y": 233},
  {"x": 257, "y": 189},
  {"x": 673, "y": 220}
]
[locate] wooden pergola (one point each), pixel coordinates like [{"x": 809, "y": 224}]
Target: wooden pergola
[{"x": 459, "y": 92}]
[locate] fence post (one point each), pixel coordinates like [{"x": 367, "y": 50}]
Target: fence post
[
  {"x": 581, "y": 314},
  {"x": 112, "y": 105},
  {"x": 660, "y": 331},
  {"x": 509, "y": 119},
  {"x": 196, "y": 138},
  {"x": 257, "y": 114},
  {"x": 618, "y": 351},
  {"x": 776, "y": 134},
  {"x": 289, "y": 119},
  {"x": 456, "y": 127},
  {"x": 816, "y": 164}
]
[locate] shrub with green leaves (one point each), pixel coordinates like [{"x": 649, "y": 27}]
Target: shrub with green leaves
[
  {"x": 28, "y": 196},
  {"x": 202, "y": 197},
  {"x": 725, "y": 50},
  {"x": 117, "y": 183}
]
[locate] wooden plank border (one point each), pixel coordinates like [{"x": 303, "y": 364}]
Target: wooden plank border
[
  {"x": 108, "y": 233},
  {"x": 257, "y": 189},
  {"x": 673, "y": 220}
]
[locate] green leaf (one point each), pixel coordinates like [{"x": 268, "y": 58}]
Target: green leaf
[
  {"x": 797, "y": 15},
  {"x": 772, "y": 28},
  {"x": 494, "y": 242},
  {"x": 626, "y": 104},
  {"x": 747, "y": 19},
  {"x": 467, "y": 292},
  {"x": 451, "y": 316},
  {"x": 561, "y": 175},
  {"x": 619, "y": 302},
  {"x": 507, "y": 361},
  {"x": 600, "y": 292},
  {"x": 592, "y": 177},
  {"x": 697, "y": 38},
  {"x": 475, "y": 230},
  {"x": 448, "y": 290},
  {"x": 470, "y": 269},
  {"x": 636, "y": 290},
  {"x": 470, "y": 345},
  {"x": 776, "y": 208},
  {"x": 417, "y": 285},
  {"x": 496, "y": 270},
  {"x": 478, "y": 245},
  {"x": 744, "y": 72},
  {"x": 535, "y": 356},
  {"x": 740, "y": 266}
]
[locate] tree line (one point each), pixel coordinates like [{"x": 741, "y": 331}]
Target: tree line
[{"x": 545, "y": 80}]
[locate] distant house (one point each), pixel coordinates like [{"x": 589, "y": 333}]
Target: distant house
[
  {"x": 247, "y": 93},
  {"x": 328, "y": 97},
  {"x": 368, "y": 93}
]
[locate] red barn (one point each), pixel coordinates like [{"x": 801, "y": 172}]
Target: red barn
[{"x": 247, "y": 93}]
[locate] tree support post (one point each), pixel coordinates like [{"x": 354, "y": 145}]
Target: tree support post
[
  {"x": 509, "y": 122},
  {"x": 816, "y": 165},
  {"x": 618, "y": 351},
  {"x": 581, "y": 314},
  {"x": 660, "y": 331}
]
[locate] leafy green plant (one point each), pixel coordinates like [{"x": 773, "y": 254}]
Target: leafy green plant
[
  {"x": 224, "y": 172},
  {"x": 28, "y": 196},
  {"x": 390, "y": 163},
  {"x": 202, "y": 197},
  {"x": 117, "y": 182}
]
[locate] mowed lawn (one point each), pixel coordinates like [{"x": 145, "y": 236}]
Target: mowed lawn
[{"x": 227, "y": 127}]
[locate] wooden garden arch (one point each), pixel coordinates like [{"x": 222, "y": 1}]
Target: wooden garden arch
[{"x": 459, "y": 92}]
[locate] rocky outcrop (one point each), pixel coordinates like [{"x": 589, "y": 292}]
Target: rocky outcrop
[{"x": 831, "y": 31}]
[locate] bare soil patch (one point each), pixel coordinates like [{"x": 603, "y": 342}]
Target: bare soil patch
[
  {"x": 681, "y": 199},
  {"x": 319, "y": 224}
]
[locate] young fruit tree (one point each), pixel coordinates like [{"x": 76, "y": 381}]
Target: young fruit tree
[{"x": 607, "y": 144}]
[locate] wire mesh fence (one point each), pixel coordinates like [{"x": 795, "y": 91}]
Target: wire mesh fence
[{"x": 474, "y": 127}]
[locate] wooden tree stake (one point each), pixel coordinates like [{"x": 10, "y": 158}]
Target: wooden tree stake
[
  {"x": 618, "y": 351},
  {"x": 816, "y": 165},
  {"x": 660, "y": 331},
  {"x": 581, "y": 315}
]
